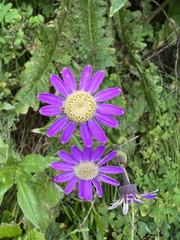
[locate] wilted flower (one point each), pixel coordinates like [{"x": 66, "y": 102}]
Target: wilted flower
[
  {"x": 85, "y": 168},
  {"x": 130, "y": 193},
  {"x": 80, "y": 106}
]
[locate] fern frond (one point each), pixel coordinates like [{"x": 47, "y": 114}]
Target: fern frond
[{"x": 94, "y": 44}]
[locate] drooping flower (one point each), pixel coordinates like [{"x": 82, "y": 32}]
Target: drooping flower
[
  {"x": 85, "y": 169},
  {"x": 129, "y": 193},
  {"x": 75, "y": 106}
]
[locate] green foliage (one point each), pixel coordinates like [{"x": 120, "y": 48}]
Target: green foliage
[
  {"x": 39, "y": 38},
  {"x": 9, "y": 230},
  {"x": 116, "y": 6}
]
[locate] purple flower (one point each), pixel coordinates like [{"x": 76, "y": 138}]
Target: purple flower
[
  {"x": 75, "y": 107},
  {"x": 85, "y": 168},
  {"x": 129, "y": 193}
]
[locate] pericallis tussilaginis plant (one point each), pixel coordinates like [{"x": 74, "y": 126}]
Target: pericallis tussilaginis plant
[{"x": 80, "y": 105}]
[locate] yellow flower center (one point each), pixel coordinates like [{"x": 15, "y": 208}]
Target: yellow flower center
[
  {"x": 80, "y": 106},
  {"x": 86, "y": 170}
]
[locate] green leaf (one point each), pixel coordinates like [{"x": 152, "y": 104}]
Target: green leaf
[
  {"x": 34, "y": 234},
  {"x": 10, "y": 230},
  {"x": 6, "y": 106},
  {"x": 35, "y": 78},
  {"x": 3, "y": 151},
  {"x": 13, "y": 13},
  {"x": 35, "y": 163},
  {"x": 4, "y": 9},
  {"x": 6, "y": 183},
  {"x": 28, "y": 203},
  {"x": 116, "y": 5},
  {"x": 142, "y": 229},
  {"x": 95, "y": 45},
  {"x": 48, "y": 193}
]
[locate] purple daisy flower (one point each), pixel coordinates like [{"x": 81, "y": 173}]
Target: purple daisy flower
[
  {"x": 85, "y": 168},
  {"x": 75, "y": 107},
  {"x": 129, "y": 193}
]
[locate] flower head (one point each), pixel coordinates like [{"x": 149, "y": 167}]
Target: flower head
[
  {"x": 86, "y": 169},
  {"x": 129, "y": 193},
  {"x": 81, "y": 107}
]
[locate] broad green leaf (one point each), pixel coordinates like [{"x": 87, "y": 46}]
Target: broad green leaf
[
  {"x": 35, "y": 163},
  {"x": 13, "y": 13},
  {"x": 10, "y": 230},
  {"x": 47, "y": 191},
  {"x": 28, "y": 203},
  {"x": 6, "y": 106},
  {"x": 7, "y": 179},
  {"x": 116, "y": 5},
  {"x": 142, "y": 229},
  {"x": 4, "y": 9}
]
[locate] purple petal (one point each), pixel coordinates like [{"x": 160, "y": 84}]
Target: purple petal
[
  {"x": 130, "y": 196},
  {"x": 107, "y": 94},
  {"x": 86, "y": 134},
  {"x": 85, "y": 78},
  {"x": 51, "y": 98},
  {"x": 57, "y": 126},
  {"x": 68, "y": 132},
  {"x": 70, "y": 185},
  {"x": 111, "y": 170},
  {"x": 110, "y": 109},
  {"x": 81, "y": 189},
  {"x": 149, "y": 195},
  {"x": 97, "y": 153},
  {"x": 97, "y": 131},
  {"x": 107, "y": 179},
  {"x": 97, "y": 186},
  {"x": 59, "y": 85},
  {"x": 87, "y": 153},
  {"x": 107, "y": 120},
  {"x": 66, "y": 157},
  {"x": 69, "y": 79},
  {"x": 107, "y": 158},
  {"x": 62, "y": 166},
  {"x": 88, "y": 193},
  {"x": 64, "y": 177},
  {"x": 50, "y": 110},
  {"x": 77, "y": 153},
  {"x": 95, "y": 81}
]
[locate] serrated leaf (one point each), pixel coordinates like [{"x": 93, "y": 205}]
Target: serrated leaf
[
  {"x": 95, "y": 42},
  {"x": 28, "y": 203},
  {"x": 116, "y": 6},
  {"x": 35, "y": 78},
  {"x": 10, "y": 230},
  {"x": 34, "y": 163}
]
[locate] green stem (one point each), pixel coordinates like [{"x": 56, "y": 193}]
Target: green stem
[
  {"x": 132, "y": 220},
  {"x": 90, "y": 31}
]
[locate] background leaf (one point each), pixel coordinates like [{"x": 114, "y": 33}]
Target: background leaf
[
  {"x": 28, "y": 203},
  {"x": 10, "y": 230},
  {"x": 35, "y": 163},
  {"x": 116, "y": 6}
]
